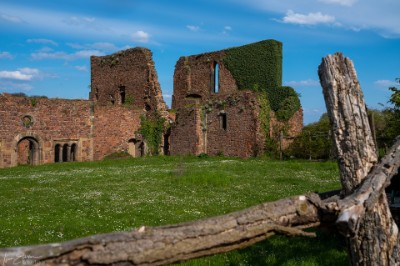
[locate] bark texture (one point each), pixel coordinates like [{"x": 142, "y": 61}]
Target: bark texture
[
  {"x": 168, "y": 244},
  {"x": 373, "y": 239}
]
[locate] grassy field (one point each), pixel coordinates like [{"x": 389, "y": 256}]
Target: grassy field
[{"x": 59, "y": 202}]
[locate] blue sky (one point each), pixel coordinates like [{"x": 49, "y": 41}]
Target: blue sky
[{"x": 46, "y": 45}]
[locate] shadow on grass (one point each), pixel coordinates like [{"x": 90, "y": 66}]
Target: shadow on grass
[{"x": 328, "y": 248}]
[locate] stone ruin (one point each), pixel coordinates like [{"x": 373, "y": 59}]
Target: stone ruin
[{"x": 210, "y": 113}]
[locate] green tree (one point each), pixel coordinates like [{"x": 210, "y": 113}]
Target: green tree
[{"x": 314, "y": 142}]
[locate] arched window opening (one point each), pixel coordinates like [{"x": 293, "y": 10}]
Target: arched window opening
[
  {"x": 215, "y": 78},
  {"x": 65, "y": 153},
  {"x": 223, "y": 121},
  {"x": 57, "y": 153},
  {"x": 73, "y": 153}
]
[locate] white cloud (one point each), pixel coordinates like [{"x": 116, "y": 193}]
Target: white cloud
[
  {"x": 22, "y": 74},
  {"x": 303, "y": 83},
  {"x": 79, "y": 20},
  {"x": 385, "y": 83},
  {"x": 100, "y": 46},
  {"x": 340, "y": 2},
  {"x": 193, "y": 28},
  {"x": 42, "y": 41},
  {"x": 81, "y": 68},
  {"x": 12, "y": 19},
  {"x": 5, "y": 55},
  {"x": 377, "y": 16},
  {"x": 141, "y": 36},
  {"x": 309, "y": 19},
  {"x": 228, "y": 28},
  {"x": 14, "y": 86},
  {"x": 65, "y": 56}
]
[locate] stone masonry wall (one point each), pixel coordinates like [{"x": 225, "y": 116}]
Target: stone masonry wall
[
  {"x": 114, "y": 126},
  {"x": 200, "y": 127},
  {"x": 194, "y": 76},
  {"x": 127, "y": 77},
  {"x": 291, "y": 128},
  {"x": 46, "y": 121},
  {"x": 213, "y": 116}
]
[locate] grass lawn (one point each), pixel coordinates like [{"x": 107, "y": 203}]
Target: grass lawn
[{"x": 58, "y": 202}]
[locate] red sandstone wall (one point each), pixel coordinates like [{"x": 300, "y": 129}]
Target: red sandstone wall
[
  {"x": 239, "y": 137},
  {"x": 114, "y": 126},
  {"x": 194, "y": 76},
  {"x": 291, "y": 128},
  {"x": 186, "y": 133},
  {"x": 53, "y": 119},
  {"x": 198, "y": 127},
  {"x": 132, "y": 69}
]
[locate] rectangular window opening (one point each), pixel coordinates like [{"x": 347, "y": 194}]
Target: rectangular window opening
[
  {"x": 223, "y": 121},
  {"x": 122, "y": 94}
]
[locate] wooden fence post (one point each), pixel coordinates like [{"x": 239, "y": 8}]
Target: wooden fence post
[{"x": 375, "y": 240}]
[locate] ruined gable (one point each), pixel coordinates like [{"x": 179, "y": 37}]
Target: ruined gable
[
  {"x": 127, "y": 78},
  {"x": 228, "y": 102}
]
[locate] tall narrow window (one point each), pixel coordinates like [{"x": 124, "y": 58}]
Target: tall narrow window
[
  {"x": 122, "y": 94},
  {"x": 223, "y": 121},
  {"x": 216, "y": 77}
]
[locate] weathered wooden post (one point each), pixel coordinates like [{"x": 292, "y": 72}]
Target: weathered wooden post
[{"x": 373, "y": 239}]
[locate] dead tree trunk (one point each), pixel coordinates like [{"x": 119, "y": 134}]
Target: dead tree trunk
[{"x": 375, "y": 238}]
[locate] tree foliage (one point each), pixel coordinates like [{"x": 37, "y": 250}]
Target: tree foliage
[{"x": 314, "y": 142}]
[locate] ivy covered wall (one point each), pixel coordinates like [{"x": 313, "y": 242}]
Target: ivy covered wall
[{"x": 258, "y": 67}]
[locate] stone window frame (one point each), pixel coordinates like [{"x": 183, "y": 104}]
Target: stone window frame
[{"x": 27, "y": 121}]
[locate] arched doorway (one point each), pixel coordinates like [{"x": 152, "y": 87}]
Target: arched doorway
[
  {"x": 28, "y": 151},
  {"x": 136, "y": 148}
]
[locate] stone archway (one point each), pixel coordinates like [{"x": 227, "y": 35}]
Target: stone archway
[
  {"x": 136, "y": 148},
  {"x": 28, "y": 151}
]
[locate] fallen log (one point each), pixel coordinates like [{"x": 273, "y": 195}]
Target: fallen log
[{"x": 168, "y": 244}]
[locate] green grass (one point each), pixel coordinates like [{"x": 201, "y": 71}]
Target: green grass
[{"x": 58, "y": 202}]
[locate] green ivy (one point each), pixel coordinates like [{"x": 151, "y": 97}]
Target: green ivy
[
  {"x": 258, "y": 67},
  {"x": 285, "y": 101},
  {"x": 265, "y": 110},
  {"x": 152, "y": 129},
  {"x": 129, "y": 100}
]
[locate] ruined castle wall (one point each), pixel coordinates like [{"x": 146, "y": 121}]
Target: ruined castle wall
[
  {"x": 224, "y": 124},
  {"x": 290, "y": 128},
  {"x": 127, "y": 77},
  {"x": 186, "y": 134},
  {"x": 237, "y": 135},
  {"x": 46, "y": 121},
  {"x": 195, "y": 76},
  {"x": 114, "y": 127}
]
